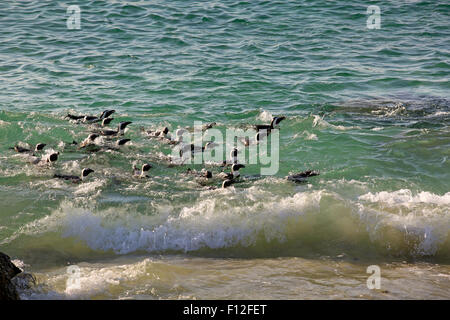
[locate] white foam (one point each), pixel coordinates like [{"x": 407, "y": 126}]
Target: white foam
[
  {"x": 310, "y": 136},
  {"x": 319, "y": 122},
  {"x": 265, "y": 116},
  {"x": 72, "y": 166},
  {"x": 19, "y": 264},
  {"x": 439, "y": 114},
  {"x": 306, "y": 135},
  {"x": 395, "y": 110},
  {"x": 232, "y": 217},
  {"x": 88, "y": 187},
  {"x": 405, "y": 197},
  {"x": 212, "y": 222},
  {"x": 421, "y": 218},
  {"x": 91, "y": 280}
]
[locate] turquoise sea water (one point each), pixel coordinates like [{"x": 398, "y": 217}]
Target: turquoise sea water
[{"x": 370, "y": 109}]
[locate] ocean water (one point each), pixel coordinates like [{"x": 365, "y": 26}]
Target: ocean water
[{"x": 368, "y": 108}]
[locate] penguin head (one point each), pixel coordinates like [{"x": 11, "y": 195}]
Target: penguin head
[
  {"x": 237, "y": 166},
  {"x": 146, "y": 167},
  {"x": 53, "y": 157},
  {"x": 179, "y": 134},
  {"x": 227, "y": 183},
  {"x": 106, "y": 121},
  {"x": 276, "y": 121},
  {"x": 210, "y": 145},
  {"x": 206, "y": 173},
  {"x": 85, "y": 172},
  {"x": 124, "y": 124},
  {"x": 106, "y": 113},
  {"x": 260, "y": 135},
  {"x": 165, "y": 130},
  {"x": 40, "y": 146},
  {"x": 121, "y": 142},
  {"x": 92, "y": 136}
]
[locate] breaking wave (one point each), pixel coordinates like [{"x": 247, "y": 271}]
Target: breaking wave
[{"x": 253, "y": 223}]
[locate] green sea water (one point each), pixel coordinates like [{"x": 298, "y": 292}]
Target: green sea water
[{"x": 368, "y": 108}]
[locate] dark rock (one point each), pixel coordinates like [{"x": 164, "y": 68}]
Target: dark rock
[
  {"x": 24, "y": 281},
  {"x": 8, "y": 271}
]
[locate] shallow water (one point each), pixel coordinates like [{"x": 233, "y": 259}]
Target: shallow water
[{"x": 368, "y": 108}]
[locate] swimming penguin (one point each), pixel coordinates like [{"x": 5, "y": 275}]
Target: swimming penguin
[
  {"x": 47, "y": 159},
  {"x": 141, "y": 173},
  {"x": 120, "y": 129},
  {"x": 116, "y": 145},
  {"x": 104, "y": 122},
  {"x": 275, "y": 121},
  {"x": 258, "y": 137},
  {"x": 227, "y": 183},
  {"x": 301, "y": 177},
  {"x": 37, "y": 148},
  {"x": 233, "y": 159},
  {"x": 202, "y": 173},
  {"x": 122, "y": 142},
  {"x": 204, "y": 127},
  {"x": 206, "y": 174},
  {"x": 209, "y": 145},
  {"x": 178, "y": 136},
  {"x": 91, "y": 119},
  {"x": 234, "y": 174},
  {"x": 74, "y": 117},
  {"x": 92, "y": 147},
  {"x": 208, "y": 126},
  {"x": 52, "y": 157},
  {"x": 104, "y": 118},
  {"x": 233, "y": 155},
  {"x": 75, "y": 179},
  {"x": 89, "y": 140},
  {"x": 88, "y": 118},
  {"x": 194, "y": 148},
  {"x": 157, "y": 133},
  {"x": 105, "y": 114}
]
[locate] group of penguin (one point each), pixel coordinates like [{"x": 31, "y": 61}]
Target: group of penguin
[{"x": 113, "y": 140}]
